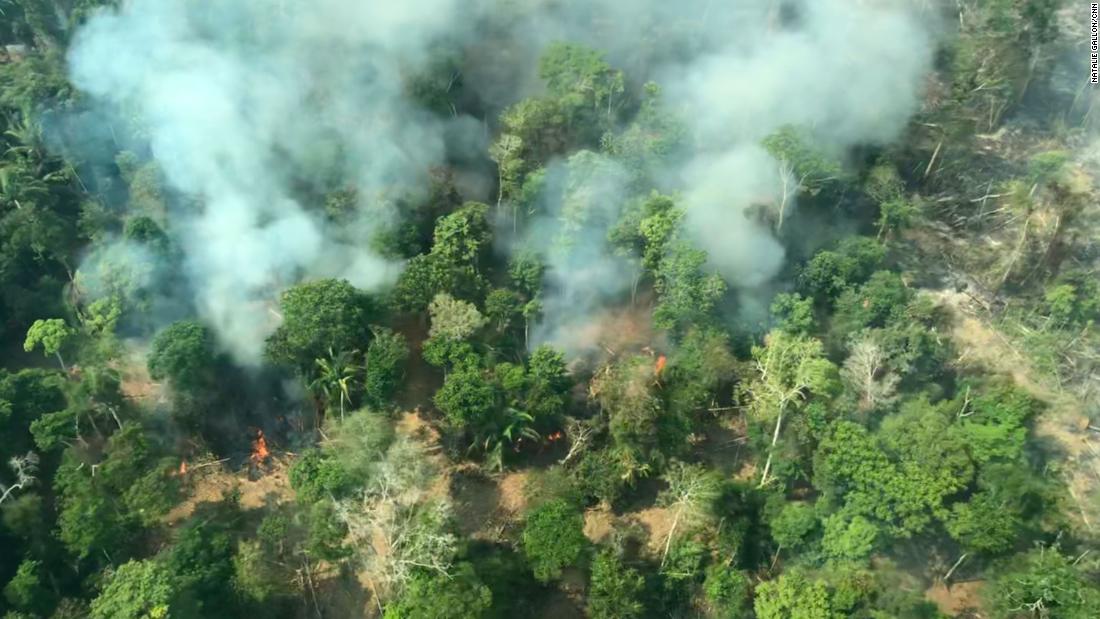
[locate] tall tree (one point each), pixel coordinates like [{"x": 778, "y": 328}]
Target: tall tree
[{"x": 789, "y": 368}]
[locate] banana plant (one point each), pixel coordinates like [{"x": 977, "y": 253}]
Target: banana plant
[{"x": 514, "y": 425}]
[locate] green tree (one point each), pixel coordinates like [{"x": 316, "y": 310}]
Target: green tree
[
  {"x": 802, "y": 166},
  {"x": 553, "y": 538},
  {"x": 726, "y": 591},
  {"x": 697, "y": 367},
  {"x": 317, "y": 317},
  {"x": 686, "y": 293},
  {"x": 385, "y": 362},
  {"x": 453, "y": 319},
  {"x": 793, "y": 313},
  {"x": 502, "y": 306},
  {"x": 25, "y": 590},
  {"x": 849, "y": 538},
  {"x": 462, "y": 236},
  {"x": 141, "y": 590},
  {"x": 184, "y": 353},
  {"x": 793, "y": 523},
  {"x": 795, "y": 596},
  {"x": 831, "y": 271},
  {"x": 1042, "y": 583},
  {"x": 51, "y": 335},
  {"x": 789, "y": 369},
  {"x": 525, "y": 270},
  {"x": 468, "y": 398},
  {"x": 986, "y": 523},
  {"x": 580, "y": 77},
  {"x": 430, "y": 595},
  {"x": 424, "y": 277},
  {"x": 615, "y": 590}
]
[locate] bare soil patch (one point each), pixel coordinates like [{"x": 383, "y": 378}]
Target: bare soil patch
[{"x": 956, "y": 599}]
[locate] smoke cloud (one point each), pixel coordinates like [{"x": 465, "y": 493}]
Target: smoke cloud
[{"x": 242, "y": 102}]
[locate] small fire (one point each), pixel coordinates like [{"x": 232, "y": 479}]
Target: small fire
[
  {"x": 259, "y": 448},
  {"x": 183, "y": 468},
  {"x": 555, "y": 436},
  {"x": 661, "y": 361}
]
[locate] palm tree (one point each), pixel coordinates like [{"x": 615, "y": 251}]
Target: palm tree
[{"x": 334, "y": 376}]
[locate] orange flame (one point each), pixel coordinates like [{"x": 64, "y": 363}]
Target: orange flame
[
  {"x": 661, "y": 361},
  {"x": 259, "y": 448},
  {"x": 555, "y": 436}
]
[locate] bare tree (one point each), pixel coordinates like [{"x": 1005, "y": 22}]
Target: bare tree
[
  {"x": 690, "y": 494},
  {"x": 865, "y": 372},
  {"x": 580, "y": 434},
  {"x": 24, "y": 468},
  {"x": 395, "y": 526}
]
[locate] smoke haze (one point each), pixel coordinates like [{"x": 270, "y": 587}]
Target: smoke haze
[{"x": 241, "y": 101}]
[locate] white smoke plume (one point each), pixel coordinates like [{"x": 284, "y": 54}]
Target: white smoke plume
[
  {"x": 238, "y": 99},
  {"x": 848, "y": 71},
  {"x": 241, "y": 99}
]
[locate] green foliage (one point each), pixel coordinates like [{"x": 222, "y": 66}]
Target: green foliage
[
  {"x": 807, "y": 166},
  {"x": 502, "y": 306},
  {"x": 453, "y": 319},
  {"x": 525, "y": 271},
  {"x": 600, "y": 475},
  {"x": 849, "y": 538},
  {"x": 902, "y": 481},
  {"x": 145, "y": 231},
  {"x": 571, "y": 70},
  {"x": 793, "y": 523},
  {"x": 141, "y": 590},
  {"x": 50, "y": 334},
  {"x": 986, "y": 523},
  {"x": 461, "y": 237},
  {"x": 431, "y": 595},
  {"x": 696, "y": 370},
  {"x": 1074, "y": 299},
  {"x": 25, "y": 590},
  {"x": 992, "y": 424},
  {"x": 795, "y": 596},
  {"x": 686, "y": 293},
  {"x": 793, "y": 313},
  {"x": 615, "y": 590},
  {"x": 424, "y": 277},
  {"x": 315, "y": 476},
  {"x": 896, "y": 215},
  {"x": 727, "y": 591},
  {"x": 386, "y": 357},
  {"x": 883, "y": 183},
  {"x": 658, "y": 227},
  {"x": 183, "y": 352},
  {"x": 553, "y": 538},
  {"x": 654, "y": 137},
  {"x": 1042, "y": 583},
  {"x": 254, "y": 574},
  {"x": 881, "y": 300},
  {"x": 626, "y": 394},
  {"x": 467, "y": 397},
  {"x": 831, "y": 271},
  {"x": 200, "y": 562},
  {"x": 319, "y": 316},
  {"x": 547, "y": 385},
  {"x": 130, "y": 488}
]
